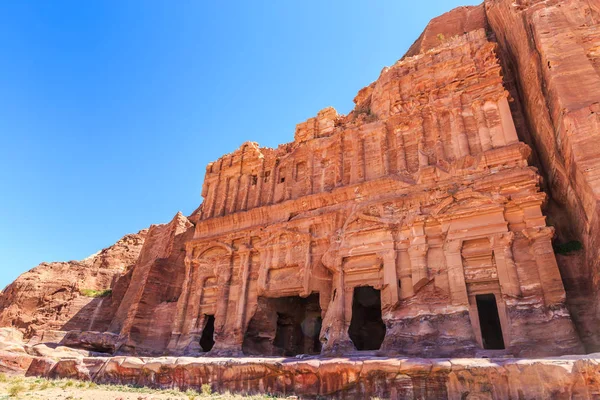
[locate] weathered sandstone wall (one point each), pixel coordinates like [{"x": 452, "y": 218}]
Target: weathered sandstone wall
[
  {"x": 341, "y": 378},
  {"x": 414, "y": 226},
  {"x": 552, "y": 49},
  {"x": 145, "y": 313},
  {"x": 49, "y": 297},
  {"x": 420, "y": 200}
]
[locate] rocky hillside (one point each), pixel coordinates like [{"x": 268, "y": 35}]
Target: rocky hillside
[{"x": 58, "y": 295}]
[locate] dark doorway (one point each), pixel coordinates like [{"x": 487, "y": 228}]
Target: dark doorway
[
  {"x": 367, "y": 329},
  {"x": 285, "y": 326},
  {"x": 207, "y": 340},
  {"x": 489, "y": 321}
]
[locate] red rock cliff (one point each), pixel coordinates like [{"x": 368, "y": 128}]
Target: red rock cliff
[
  {"x": 425, "y": 201},
  {"x": 58, "y": 296}
]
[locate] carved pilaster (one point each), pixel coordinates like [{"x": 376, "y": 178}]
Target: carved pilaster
[
  {"x": 403, "y": 266},
  {"x": 400, "y": 151},
  {"x": 244, "y": 253},
  {"x": 390, "y": 279},
  {"x": 505, "y": 264},
  {"x": 456, "y": 275},
  {"x": 508, "y": 124},
  {"x": 541, "y": 248},
  {"x": 223, "y": 273},
  {"x": 184, "y": 297},
  {"x": 484, "y": 131},
  {"x": 494, "y": 123},
  {"x": 460, "y": 139},
  {"x": 418, "y": 260}
]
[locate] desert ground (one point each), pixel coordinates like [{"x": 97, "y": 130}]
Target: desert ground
[{"x": 67, "y": 389}]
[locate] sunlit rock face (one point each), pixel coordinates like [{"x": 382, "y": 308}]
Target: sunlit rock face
[
  {"x": 63, "y": 296},
  {"x": 413, "y": 226}
]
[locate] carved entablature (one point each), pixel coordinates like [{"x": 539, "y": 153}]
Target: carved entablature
[
  {"x": 363, "y": 269},
  {"x": 285, "y": 263}
]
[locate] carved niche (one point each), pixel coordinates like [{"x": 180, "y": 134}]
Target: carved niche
[{"x": 211, "y": 268}]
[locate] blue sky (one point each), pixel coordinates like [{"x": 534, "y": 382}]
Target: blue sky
[{"x": 111, "y": 109}]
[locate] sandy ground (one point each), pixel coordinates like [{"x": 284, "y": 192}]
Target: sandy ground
[{"x": 43, "y": 389}]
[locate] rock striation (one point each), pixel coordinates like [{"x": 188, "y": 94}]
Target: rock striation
[
  {"x": 551, "y": 48},
  {"x": 411, "y": 226},
  {"x": 58, "y": 296},
  {"x": 429, "y": 222}
]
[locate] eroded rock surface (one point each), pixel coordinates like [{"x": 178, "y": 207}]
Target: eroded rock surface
[
  {"x": 415, "y": 226},
  {"x": 339, "y": 378},
  {"x": 57, "y": 296},
  {"x": 422, "y": 193},
  {"x": 552, "y": 48}
]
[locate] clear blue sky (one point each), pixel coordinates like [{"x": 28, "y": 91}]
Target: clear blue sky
[{"x": 111, "y": 109}]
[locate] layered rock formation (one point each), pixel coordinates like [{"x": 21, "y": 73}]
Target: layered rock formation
[
  {"x": 415, "y": 226},
  {"x": 552, "y": 48},
  {"x": 59, "y": 296}
]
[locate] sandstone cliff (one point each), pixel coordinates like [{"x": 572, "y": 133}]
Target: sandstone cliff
[
  {"x": 68, "y": 295},
  {"x": 454, "y": 212},
  {"x": 551, "y": 66}
]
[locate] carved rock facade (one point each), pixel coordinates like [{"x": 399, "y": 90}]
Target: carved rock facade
[
  {"x": 412, "y": 226},
  {"x": 420, "y": 204}
]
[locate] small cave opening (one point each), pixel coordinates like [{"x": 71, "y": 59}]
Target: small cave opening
[
  {"x": 489, "y": 322},
  {"x": 207, "y": 340},
  {"x": 367, "y": 329},
  {"x": 285, "y": 326}
]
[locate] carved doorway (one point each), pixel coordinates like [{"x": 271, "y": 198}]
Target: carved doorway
[
  {"x": 285, "y": 326},
  {"x": 489, "y": 322},
  {"x": 367, "y": 329},
  {"x": 207, "y": 340}
]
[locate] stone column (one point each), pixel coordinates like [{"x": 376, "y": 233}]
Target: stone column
[
  {"x": 272, "y": 183},
  {"x": 177, "y": 327},
  {"x": 403, "y": 268},
  {"x": 212, "y": 200},
  {"x": 418, "y": 261},
  {"x": 257, "y": 201},
  {"x": 390, "y": 279},
  {"x": 334, "y": 332},
  {"x": 541, "y": 247},
  {"x": 362, "y": 160},
  {"x": 221, "y": 336},
  {"x": 385, "y": 153},
  {"x": 458, "y": 130},
  {"x": 244, "y": 252},
  {"x": 306, "y": 247},
  {"x": 456, "y": 275},
  {"x": 505, "y": 264},
  {"x": 400, "y": 151},
  {"x": 494, "y": 123},
  {"x": 188, "y": 325},
  {"x": 484, "y": 131},
  {"x": 354, "y": 164},
  {"x": 265, "y": 265},
  {"x": 340, "y": 167},
  {"x": 422, "y": 153},
  {"x": 508, "y": 124}
]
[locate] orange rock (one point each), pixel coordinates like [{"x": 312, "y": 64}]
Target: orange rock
[
  {"x": 56, "y": 296},
  {"x": 411, "y": 227}
]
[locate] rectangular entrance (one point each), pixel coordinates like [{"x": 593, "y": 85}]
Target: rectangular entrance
[
  {"x": 285, "y": 326},
  {"x": 367, "y": 329},
  {"x": 489, "y": 322}
]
